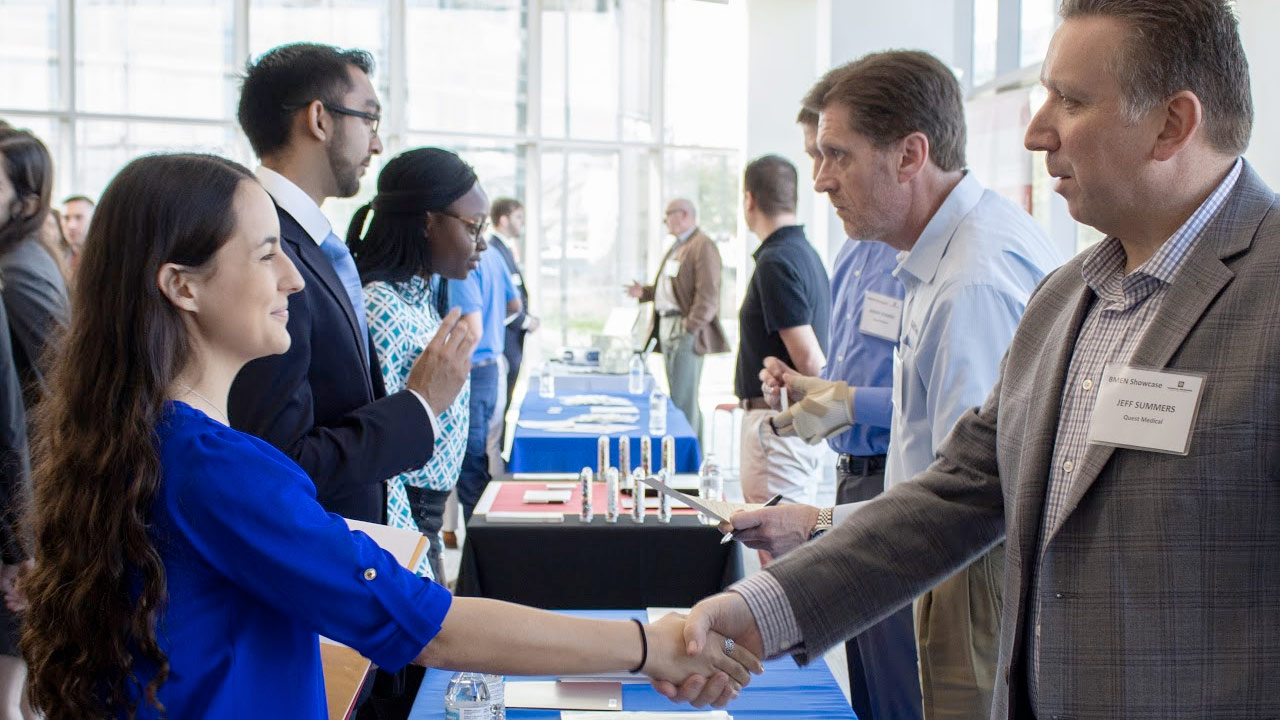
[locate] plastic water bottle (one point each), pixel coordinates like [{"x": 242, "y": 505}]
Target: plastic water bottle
[
  {"x": 657, "y": 412},
  {"x": 467, "y": 698},
  {"x": 635, "y": 375},
  {"x": 497, "y": 686},
  {"x": 547, "y": 381},
  {"x": 710, "y": 484}
]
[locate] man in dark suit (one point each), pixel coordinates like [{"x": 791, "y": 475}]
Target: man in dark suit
[
  {"x": 1127, "y": 455},
  {"x": 311, "y": 114},
  {"x": 507, "y": 215}
]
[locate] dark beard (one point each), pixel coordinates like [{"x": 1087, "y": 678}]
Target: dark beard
[{"x": 345, "y": 173}]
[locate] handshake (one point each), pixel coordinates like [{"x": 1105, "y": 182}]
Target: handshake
[{"x": 706, "y": 657}]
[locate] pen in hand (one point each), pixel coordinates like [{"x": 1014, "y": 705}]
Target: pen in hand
[{"x": 729, "y": 535}]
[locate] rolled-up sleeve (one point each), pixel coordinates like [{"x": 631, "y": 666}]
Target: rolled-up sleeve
[{"x": 260, "y": 526}]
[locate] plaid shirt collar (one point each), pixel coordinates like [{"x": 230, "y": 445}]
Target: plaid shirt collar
[{"x": 1103, "y": 270}]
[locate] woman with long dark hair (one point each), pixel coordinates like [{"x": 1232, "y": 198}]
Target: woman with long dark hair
[
  {"x": 411, "y": 243},
  {"x": 35, "y": 290},
  {"x": 183, "y": 568}
]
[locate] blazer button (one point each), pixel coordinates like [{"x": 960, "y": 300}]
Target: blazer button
[{"x": 370, "y": 574}]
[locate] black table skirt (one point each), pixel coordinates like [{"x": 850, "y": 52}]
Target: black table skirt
[{"x": 574, "y": 565}]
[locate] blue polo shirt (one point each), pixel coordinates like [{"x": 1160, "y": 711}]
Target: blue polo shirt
[
  {"x": 858, "y": 358},
  {"x": 486, "y": 290}
]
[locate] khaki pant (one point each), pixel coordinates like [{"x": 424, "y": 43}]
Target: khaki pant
[
  {"x": 958, "y": 636},
  {"x": 773, "y": 465}
]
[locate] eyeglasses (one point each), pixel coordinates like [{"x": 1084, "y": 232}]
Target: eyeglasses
[
  {"x": 373, "y": 118},
  {"x": 476, "y": 228}
]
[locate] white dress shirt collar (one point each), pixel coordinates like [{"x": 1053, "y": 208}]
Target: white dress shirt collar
[
  {"x": 921, "y": 262},
  {"x": 297, "y": 203}
]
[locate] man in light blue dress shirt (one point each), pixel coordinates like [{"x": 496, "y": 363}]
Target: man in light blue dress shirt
[
  {"x": 884, "y": 683},
  {"x": 969, "y": 259}
]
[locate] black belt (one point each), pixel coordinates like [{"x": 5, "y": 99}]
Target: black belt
[
  {"x": 860, "y": 465},
  {"x": 669, "y": 313}
]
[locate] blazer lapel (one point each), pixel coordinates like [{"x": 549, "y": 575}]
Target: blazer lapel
[
  {"x": 1042, "y": 427},
  {"x": 1201, "y": 278},
  {"x": 310, "y": 254}
]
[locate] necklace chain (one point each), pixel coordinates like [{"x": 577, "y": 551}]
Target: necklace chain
[{"x": 211, "y": 404}]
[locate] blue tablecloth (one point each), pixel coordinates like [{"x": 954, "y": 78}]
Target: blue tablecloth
[
  {"x": 784, "y": 690},
  {"x": 539, "y": 451}
]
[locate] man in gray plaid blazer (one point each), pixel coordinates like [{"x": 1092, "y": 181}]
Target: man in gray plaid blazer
[{"x": 1142, "y": 581}]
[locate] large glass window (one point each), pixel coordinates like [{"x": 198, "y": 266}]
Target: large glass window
[
  {"x": 1038, "y": 18},
  {"x": 105, "y": 146},
  {"x": 582, "y": 267},
  {"x": 986, "y": 29},
  {"x": 580, "y": 69},
  {"x": 706, "y": 90},
  {"x": 29, "y": 55},
  {"x": 346, "y": 23},
  {"x": 468, "y": 65},
  {"x": 155, "y": 57},
  {"x": 593, "y": 113}
]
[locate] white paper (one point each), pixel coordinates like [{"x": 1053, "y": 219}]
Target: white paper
[
  {"x": 713, "y": 508},
  {"x": 622, "y": 677},
  {"x": 657, "y": 613},
  {"x": 547, "y": 496},
  {"x": 610, "y": 400}
]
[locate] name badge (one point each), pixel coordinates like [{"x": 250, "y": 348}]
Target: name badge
[
  {"x": 673, "y": 267},
  {"x": 1146, "y": 409},
  {"x": 881, "y": 316}
]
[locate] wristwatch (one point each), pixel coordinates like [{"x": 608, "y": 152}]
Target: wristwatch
[{"x": 824, "y": 522}]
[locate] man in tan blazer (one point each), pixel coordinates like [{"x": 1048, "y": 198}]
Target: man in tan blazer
[
  {"x": 1128, "y": 455},
  {"x": 686, "y": 306}
]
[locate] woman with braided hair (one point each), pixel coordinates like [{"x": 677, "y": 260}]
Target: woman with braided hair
[{"x": 427, "y": 223}]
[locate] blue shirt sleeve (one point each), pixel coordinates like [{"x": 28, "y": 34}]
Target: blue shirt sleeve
[
  {"x": 251, "y": 513},
  {"x": 959, "y": 355},
  {"x": 467, "y": 293},
  {"x": 508, "y": 285},
  {"x": 873, "y": 406}
]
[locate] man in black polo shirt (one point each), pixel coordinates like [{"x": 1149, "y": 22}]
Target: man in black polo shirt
[{"x": 785, "y": 315}]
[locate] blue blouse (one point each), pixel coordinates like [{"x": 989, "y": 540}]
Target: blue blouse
[{"x": 255, "y": 570}]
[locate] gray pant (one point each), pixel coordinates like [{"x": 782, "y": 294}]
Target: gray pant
[
  {"x": 884, "y": 676},
  {"x": 427, "y": 507},
  {"x": 684, "y": 368}
]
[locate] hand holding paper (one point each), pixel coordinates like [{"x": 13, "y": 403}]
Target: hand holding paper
[{"x": 776, "y": 530}]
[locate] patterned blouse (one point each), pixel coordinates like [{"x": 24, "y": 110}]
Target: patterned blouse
[{"x": 403, "y": 319}]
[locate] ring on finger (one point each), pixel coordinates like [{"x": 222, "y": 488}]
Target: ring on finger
[{"x": 728, "y": 646}]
